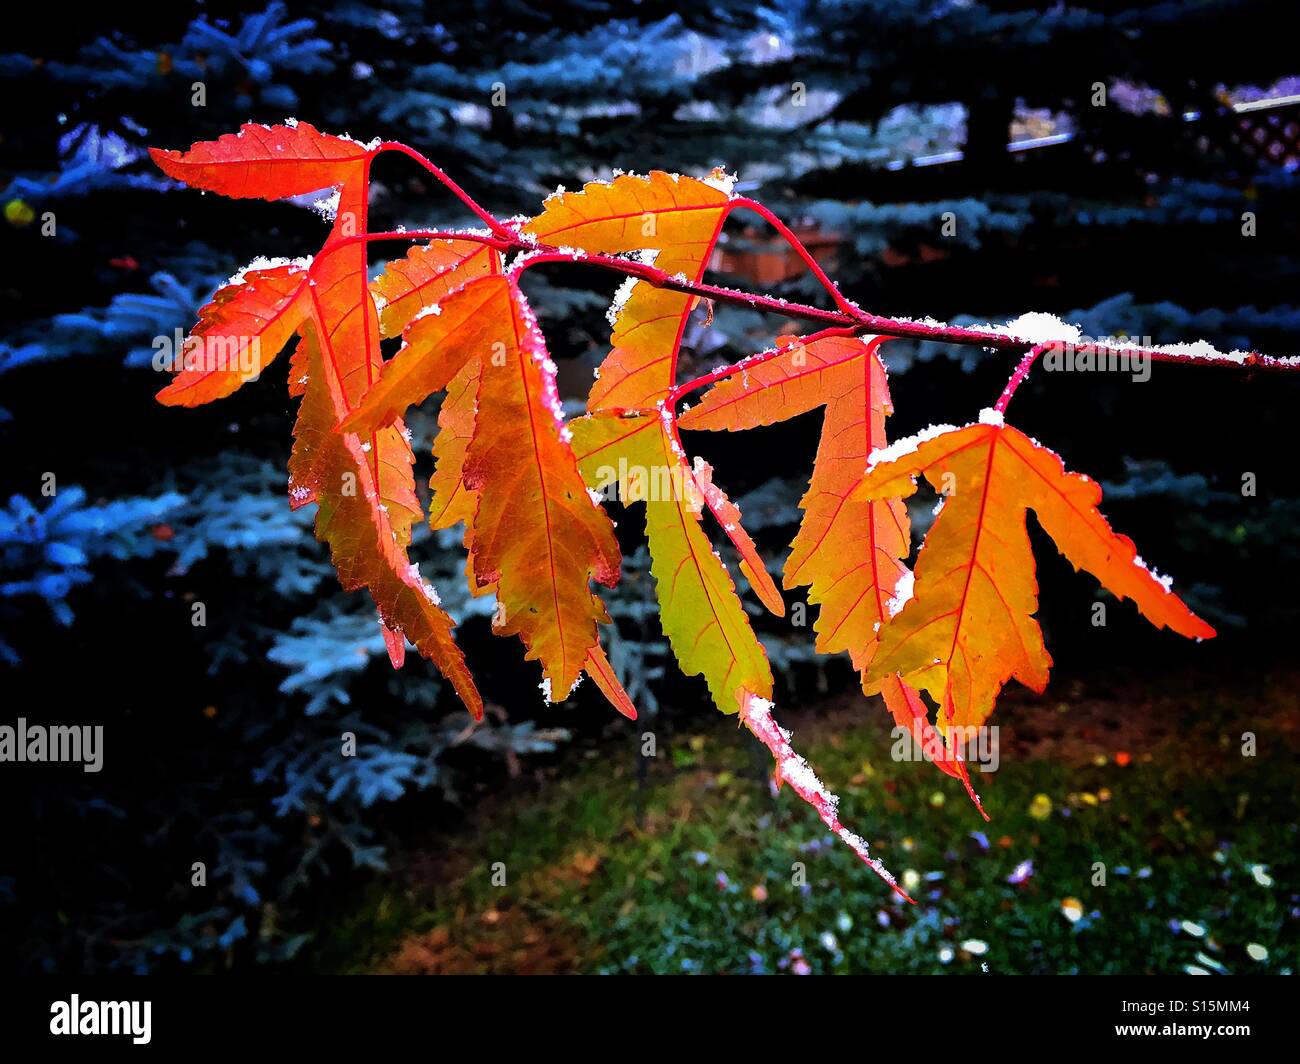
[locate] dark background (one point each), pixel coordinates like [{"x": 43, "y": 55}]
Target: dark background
[{"x": 221, "y": 740}]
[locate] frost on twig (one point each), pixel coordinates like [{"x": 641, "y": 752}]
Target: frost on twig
[{"x": 756, "y": 713}]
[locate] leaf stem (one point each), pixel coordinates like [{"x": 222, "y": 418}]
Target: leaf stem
[
  {"x": 485, "y": 216},
  {"x": 804, "y": 254},
  {"x": 1019, "y": 374}
]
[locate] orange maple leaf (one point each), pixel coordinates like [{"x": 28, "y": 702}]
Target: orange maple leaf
[
  {"x": 679, "y": 219},
  {"x": 365, "y": 488},
  {"x": 266, "y": 162},
  {"x": 428, "y": 274},
  {"x": 363, "y": 546},
  {"x": 272, "y": 162},
  {"x": 413, "y": 285},
  {"x": 416, "y": 285},
  {"x": 238, "y": 334},
  {"x": 969, "y": 624},
  {"x": 537, "y": 538}
]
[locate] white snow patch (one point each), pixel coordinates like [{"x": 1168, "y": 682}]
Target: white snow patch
[
  {"x": 621, "y": 297},
  {"x": 1167, "y": 582},
  {"x": 370, "y": 145},
  {"x": 1037, "y": 327},
  {"x": 907, "y": 445},
  {"x": 903, "y": 592},
  {"x": 263, "y": 263},
  {"x": 722, "y": 181},
  {"x": 328, "y": 205},
  {"x": 1195, "y": 349}
]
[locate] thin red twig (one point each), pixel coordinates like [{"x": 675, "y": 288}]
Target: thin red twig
[
  {"x": 1018, "y": 375},
  {"x": 799, "y": 249},
  {"x": 485, "y": 216}
]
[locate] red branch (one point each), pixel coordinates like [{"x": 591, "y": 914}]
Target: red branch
[
  {"x": 483, "y": 215},
  {"x": 804, "y": 254},
  {"x": 846, "y": 320}
]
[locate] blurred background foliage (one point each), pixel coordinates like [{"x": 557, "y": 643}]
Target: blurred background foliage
[{"x": 866, "y": 125}]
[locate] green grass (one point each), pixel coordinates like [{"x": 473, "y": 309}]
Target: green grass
[{"x": 1190, "y": 830}]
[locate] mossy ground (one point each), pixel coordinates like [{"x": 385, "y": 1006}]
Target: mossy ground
[{"x": 693, "y": 869}]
